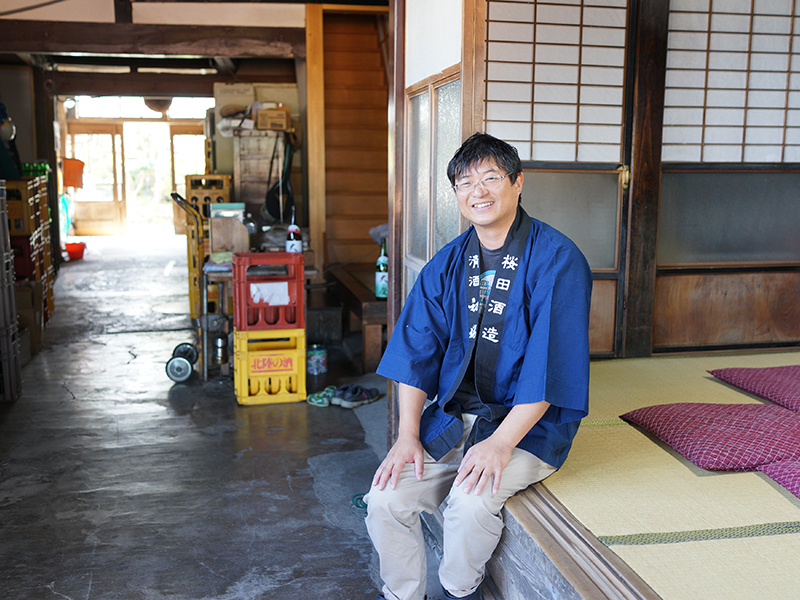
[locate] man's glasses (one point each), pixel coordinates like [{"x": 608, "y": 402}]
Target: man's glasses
[{"x": 487, "y": 183}]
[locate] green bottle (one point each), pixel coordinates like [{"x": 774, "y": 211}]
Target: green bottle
[{"x": 382, "y": 273}]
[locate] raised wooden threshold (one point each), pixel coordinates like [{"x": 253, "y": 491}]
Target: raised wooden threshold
[{"x": 546, "y": 553}]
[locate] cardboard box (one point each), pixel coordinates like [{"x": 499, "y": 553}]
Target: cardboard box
[
  {"x": 275, "y": 118},
  {"x": 30, "y": 310}
]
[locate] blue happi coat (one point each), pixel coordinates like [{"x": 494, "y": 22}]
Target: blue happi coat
[{"x": 543, "y": 353}]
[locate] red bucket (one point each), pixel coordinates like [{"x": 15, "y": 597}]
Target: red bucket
[{"x": 75, "y": 251}]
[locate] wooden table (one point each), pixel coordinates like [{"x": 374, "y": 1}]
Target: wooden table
[{"x": 355, "y": 284}]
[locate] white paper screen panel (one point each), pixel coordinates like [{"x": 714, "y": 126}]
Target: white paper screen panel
[
  {"x": 733, "y": 82},
  {"x": 555, "y": 71}
]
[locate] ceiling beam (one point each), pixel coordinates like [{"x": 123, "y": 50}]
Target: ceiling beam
[
  {"x": 133, "y": 62},
  {"x": 149, "y": 84},
  {"x": 51, "y": 37}
]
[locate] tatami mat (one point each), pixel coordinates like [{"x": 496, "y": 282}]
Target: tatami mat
[
  {"x": 740, "y": 569},
  {"x": 620, "y": 481}
]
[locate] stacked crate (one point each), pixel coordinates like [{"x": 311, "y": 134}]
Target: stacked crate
[
  {"x": 201, "y": 192},
  {"x": 29, "y": 226},
  {"x": 269, "y": 336},
  {"x": 10, "y": 377}
]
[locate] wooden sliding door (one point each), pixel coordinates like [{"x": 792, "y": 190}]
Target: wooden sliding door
[
  {"x": 556, "y": 86},
  {"x": 728, "y": 244}
]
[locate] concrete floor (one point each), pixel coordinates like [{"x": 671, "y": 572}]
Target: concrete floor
[{"x": 116, "y": 483}]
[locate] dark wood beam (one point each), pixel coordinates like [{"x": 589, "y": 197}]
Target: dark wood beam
[
  {"x": 131, "y": 84},
  {"x": 123, "y": 11},
  {"x": 51, "y": 37},
  {"x": 150, "y": 84},
  {"x": 129, "y": 61},
  {"x": 648, "y": 116}
]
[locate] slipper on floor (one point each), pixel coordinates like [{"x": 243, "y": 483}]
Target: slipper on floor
[
  {"x": 339, "y": 394},
  {"x": 358, "y": 396},
  {"x": 322, "y": 398}
]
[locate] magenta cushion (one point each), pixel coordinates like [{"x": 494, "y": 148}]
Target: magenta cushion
[
  {"x": 785, "y": 472},
  {"x": 781, "y": 385},
  {"x": 724, "y": 437}
]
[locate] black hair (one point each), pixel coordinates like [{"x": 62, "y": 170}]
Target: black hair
[{"x": 482, "y": 146}]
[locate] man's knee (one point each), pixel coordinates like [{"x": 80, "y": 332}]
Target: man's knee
[
  {"x": 471, "y": 504},
  {"x": 387, "y": 502}
]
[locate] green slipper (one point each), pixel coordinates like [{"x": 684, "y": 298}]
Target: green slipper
[{"x": 322, "y": 398}]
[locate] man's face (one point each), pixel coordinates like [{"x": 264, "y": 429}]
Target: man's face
[{"x": 492, "y": 207}]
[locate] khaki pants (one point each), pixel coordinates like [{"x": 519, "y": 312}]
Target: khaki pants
[{"x": 472, "y": 524}]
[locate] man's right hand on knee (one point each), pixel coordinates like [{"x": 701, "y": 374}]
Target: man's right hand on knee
[{"x": 407, "y": 449}]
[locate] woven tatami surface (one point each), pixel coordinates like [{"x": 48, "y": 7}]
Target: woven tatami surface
[{"x": 691, "y": 534}]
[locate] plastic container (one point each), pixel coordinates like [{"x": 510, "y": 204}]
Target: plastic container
[
  {"x": 317, "y": 359},
  {"x": 269, "y": 366},
  {"x": 253, "y": 313},
  {"x": 75, "y": 250}
]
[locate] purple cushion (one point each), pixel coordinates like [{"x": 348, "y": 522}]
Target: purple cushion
[
  {"x": 781, "y": 385},
  {"x": 724, "y": 437},
  {"x": 785, "y": 472}
]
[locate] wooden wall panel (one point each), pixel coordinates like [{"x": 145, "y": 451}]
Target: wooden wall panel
[
  {"x": 351, "y": 60},
  {"x": 369, "y": 182},
  {"x": 350, "y": 250},
  {"x": 601, "y": 316},
  {"x": 356, "y": 118},
  {"x": 356, "y": 137},
  {"x": 726, "y": 309}
]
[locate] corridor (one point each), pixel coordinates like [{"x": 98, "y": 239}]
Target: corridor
[{"x": 117, "y": 483}]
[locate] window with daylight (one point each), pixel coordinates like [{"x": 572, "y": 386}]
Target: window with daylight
[{"x": 555, "y": 78}]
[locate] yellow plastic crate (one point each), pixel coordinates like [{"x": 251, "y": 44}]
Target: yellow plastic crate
[
  {"x": 269, "y": 367},
  {"x": 202, "y": 190},
  {"x": 197, "y": 249}
]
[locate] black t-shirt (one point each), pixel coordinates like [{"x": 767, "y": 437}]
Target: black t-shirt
[{"x": 466, "y": 394}]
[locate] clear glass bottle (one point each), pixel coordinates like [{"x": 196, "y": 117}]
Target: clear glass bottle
[
  {"x": 382, "y": 273},
  {"x": 252, "y": 229}
]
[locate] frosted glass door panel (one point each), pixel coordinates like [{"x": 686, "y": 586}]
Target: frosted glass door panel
[
  {"x": 711, "y": 218},
  {"x": 583, "y": 206},
  {"x": 446, "y": 221},
  {"x": 410, "y": 279},
  {"x": 418, "y": 191}
]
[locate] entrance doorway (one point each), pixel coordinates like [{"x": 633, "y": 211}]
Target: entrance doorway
[{"x": 134, "y": 158}]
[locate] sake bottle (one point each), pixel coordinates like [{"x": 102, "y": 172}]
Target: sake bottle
[
  {"x": 382, "y": 273},
  {"x": 294, "y": 238}
]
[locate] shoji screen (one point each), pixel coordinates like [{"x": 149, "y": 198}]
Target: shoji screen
[
  {"x": 733, "y": 82},
  {"x": 555, "y": 78}
]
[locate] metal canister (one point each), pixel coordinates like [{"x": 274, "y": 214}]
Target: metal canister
[
  {"x": 317, "y": 359},
  {"x": 219, "y": 354}
]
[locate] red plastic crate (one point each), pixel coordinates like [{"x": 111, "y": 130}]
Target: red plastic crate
[
  {"x": 28, "y": 256},
  {"x": 263, "y": 268}
]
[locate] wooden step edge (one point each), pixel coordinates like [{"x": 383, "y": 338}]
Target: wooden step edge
[{"x": 586, "y": 565}]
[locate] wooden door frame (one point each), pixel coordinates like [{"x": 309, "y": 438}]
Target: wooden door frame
[{"x": 76, "y": 127}]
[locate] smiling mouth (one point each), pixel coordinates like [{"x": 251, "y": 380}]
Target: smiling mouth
[{"x": 482, "y": 204}]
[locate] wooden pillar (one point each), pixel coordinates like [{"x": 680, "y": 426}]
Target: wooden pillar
[
  {"x": 315, "y": 127},
  {"x": 648, "y": 115},
  {"x": 45, "y": 116},
  {"x": 397, "y": 100},
  {"x": 473, "y": 69}
]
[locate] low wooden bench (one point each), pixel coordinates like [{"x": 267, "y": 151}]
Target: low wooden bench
[{"x": 355, "y": 284}]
